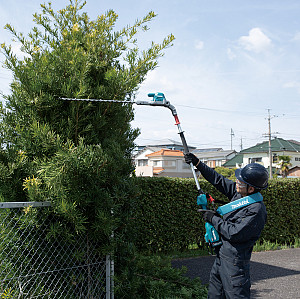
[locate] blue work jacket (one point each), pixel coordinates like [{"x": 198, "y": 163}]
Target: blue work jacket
[{"x": 238, "y": 229}]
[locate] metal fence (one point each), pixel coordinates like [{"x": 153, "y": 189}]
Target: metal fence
[{"x": 35, "y": 265}]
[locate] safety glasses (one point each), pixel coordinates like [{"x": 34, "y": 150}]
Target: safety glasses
[{"x": 241, "y": 184}]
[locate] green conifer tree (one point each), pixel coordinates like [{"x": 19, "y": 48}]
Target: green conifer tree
[{"x": 75, "y": 154}]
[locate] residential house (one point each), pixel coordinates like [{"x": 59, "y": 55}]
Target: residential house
[
  {"x": 235, "y": 162},
  {"x": 214, "y": 157},
  {"x": 141, "y": 161},
  {"x": 144, "y": 164},
  {"x": 163, "y": 163},
  {"x": 260, "y": 154},
  {"x": 166, "y": 143}
]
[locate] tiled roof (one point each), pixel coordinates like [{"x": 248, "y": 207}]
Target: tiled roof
[
  {"x": 237, "y": 159},
  {"x": 166, "y": 152},
  {"x": 277, "y": 145},
  {"x": 165, "y": 142},
  {"x": 214, "y": 154},
  {"x": 151, "y": 148},
  {"x": 168, "y": 143},
  {"x": 157, "y": 170},
  {"x": 213, "y": 149}
]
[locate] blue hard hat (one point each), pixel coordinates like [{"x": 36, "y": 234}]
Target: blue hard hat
[{"x": 254, "y": 175}]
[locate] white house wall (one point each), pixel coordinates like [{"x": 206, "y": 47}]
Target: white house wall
[
  {"x": 173, "y": 166},
  {"x": 295, "y": 160},
  {"x": 144, "y": 171},
  {"x": 265, "y": 158},
  {"x": 155, "y": 162},
  {"x": 142, "y": 155}
]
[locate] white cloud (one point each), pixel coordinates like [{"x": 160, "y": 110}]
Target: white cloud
[
  {"x": 256, "y": 41},
  {"x": 199, "y": 45},
  {"x": 157, "y": 81}
]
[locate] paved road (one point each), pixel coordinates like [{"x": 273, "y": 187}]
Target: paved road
[{"x": 274, "y": 274}]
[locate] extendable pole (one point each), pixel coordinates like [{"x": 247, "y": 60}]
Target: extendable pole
[
  {"x": 185, "y": 146},
  {"x": 186, "y": 150}
]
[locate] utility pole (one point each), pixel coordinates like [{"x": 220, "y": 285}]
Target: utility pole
[
  {"x": 231, "y": 135},
  {"x": 241, "y": 143},
  {"x": 270, "y": 149}
]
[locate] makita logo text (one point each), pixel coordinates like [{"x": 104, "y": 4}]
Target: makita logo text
[{"x": 244, "y": 202}]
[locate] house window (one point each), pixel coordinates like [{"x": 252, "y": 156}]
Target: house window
[
  {"x": 169, "y": 163},
  {"x": 275, "y": 158},
  {"x": 156, "y": 163},
  {"x": 142, "y": 162},
  {"x": 297, "y": 158},
  {"x": 255, "y": 160}
]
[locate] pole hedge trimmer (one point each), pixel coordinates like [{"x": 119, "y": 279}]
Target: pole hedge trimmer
[{"x": 158, "y": 99}]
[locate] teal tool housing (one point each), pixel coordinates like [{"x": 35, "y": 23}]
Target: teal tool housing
[{"x": 211, "y": 235}]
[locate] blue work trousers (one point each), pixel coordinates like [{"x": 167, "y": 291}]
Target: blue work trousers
[{"x": 229, "y": 278}]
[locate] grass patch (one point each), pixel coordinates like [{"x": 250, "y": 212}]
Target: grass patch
[
  {"x": 267, "y": 245},
  {"x": 262, "y": 245},
  {"x": 191, "y": 251}
]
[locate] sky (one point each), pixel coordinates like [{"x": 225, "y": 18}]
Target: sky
[{"x": 232, "y": 65}]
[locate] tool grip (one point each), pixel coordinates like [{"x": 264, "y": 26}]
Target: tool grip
[{"x": 185, "y": 146}]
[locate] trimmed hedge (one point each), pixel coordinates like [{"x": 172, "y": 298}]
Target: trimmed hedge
[
  {"x": 282, "y": 200},
  {"x": 166, "y": 216}
]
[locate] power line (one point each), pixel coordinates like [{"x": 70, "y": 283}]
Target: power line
[
  {"x": 219, "y": 110},
  {"x": 252, "y": 113}
]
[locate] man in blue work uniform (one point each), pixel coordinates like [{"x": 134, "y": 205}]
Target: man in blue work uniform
[{"x": 238, "y": 230}]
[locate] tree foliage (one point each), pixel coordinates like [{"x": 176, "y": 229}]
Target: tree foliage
[
  {"x": 227, "y": 172},
  {"x": 284, "y": 164},
  {"x": 75, "y": 154}
]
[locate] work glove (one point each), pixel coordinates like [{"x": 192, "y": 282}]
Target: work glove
[
  {"x": 189, "y": 157},
  {"x": 208, "y": 215}
]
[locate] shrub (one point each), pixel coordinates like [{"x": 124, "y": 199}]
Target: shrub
[
  {"x": 166, "y": 217},
  {"x": 283, "y": 206},
  {"x": 154, "y": 277}
]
